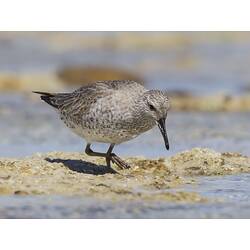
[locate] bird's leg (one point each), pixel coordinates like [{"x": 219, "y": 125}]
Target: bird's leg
[
  {"x": 90, "y": 152},
  {"x": 115, "y": 159},
  {"x": 109, "y": 152},
  {"x": 109, "y": 156}
]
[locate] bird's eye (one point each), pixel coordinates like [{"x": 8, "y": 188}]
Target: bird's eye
[{"x": 151, "y": 107}]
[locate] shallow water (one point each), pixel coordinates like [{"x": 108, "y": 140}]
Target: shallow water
[
  {"x": 229, "y": 199},
  {"x": 28, "y": 127}
]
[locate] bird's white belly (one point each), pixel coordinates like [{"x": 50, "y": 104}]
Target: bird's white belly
[{"x": 103, "y": 135}]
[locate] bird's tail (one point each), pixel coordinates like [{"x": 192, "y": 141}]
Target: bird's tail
[{"x": 48, "y": 98}]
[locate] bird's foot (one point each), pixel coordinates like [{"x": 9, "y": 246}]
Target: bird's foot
[{"x": 119, "y": 162}]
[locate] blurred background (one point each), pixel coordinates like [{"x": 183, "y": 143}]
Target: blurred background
[{"x": 206, "y": 74}]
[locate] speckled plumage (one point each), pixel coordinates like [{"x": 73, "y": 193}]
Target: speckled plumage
[
  {"x": 110, "y": 111},
  {"x": 100, "y": 112}
]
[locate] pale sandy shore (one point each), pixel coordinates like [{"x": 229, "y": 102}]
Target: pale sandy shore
[{"x": 74, "y": 174}]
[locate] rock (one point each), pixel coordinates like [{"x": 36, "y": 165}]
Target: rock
[
  {"x": 180, "y": 100},
  {"x": 197, "y": 162},
  {"x": 81, "y": 75},
  {"x": 20, "y": 192},
  {"x": 211, "y": 103},
  {"x": 5, "y": 190},
  {"x": 59, "y": 173}
]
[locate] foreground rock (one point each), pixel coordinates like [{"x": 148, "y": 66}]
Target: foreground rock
[{"x": 148, "y": 180}]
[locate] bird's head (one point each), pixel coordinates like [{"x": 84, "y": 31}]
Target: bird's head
[{"x": 156, "y": 105}]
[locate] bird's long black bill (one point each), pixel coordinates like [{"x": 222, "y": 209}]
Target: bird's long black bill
[{"x": 162, "y": 127}]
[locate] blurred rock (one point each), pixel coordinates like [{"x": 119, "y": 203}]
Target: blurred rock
[
  {"x": 28, "y": 82},
  {"x": 180, "y": 100},
  {"x": 81, "y": 75},
  {"x": 211, "y": 103}
]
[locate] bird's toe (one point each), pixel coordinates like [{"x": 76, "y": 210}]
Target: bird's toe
[{"x": 119, "y": 162}]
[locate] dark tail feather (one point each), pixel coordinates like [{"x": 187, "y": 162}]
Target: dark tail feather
[{"x": 47, "y": 97}]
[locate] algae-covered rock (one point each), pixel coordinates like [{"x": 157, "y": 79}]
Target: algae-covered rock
[
  {"x": 208, "y": 162},
  {"x": 74, "y": 174},
  {"x": 59, "y": 173}
]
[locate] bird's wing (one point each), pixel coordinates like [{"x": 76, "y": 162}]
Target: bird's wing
[
  {"x": 114, "y": 85},
  {"x": 80, "y": 101}
]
